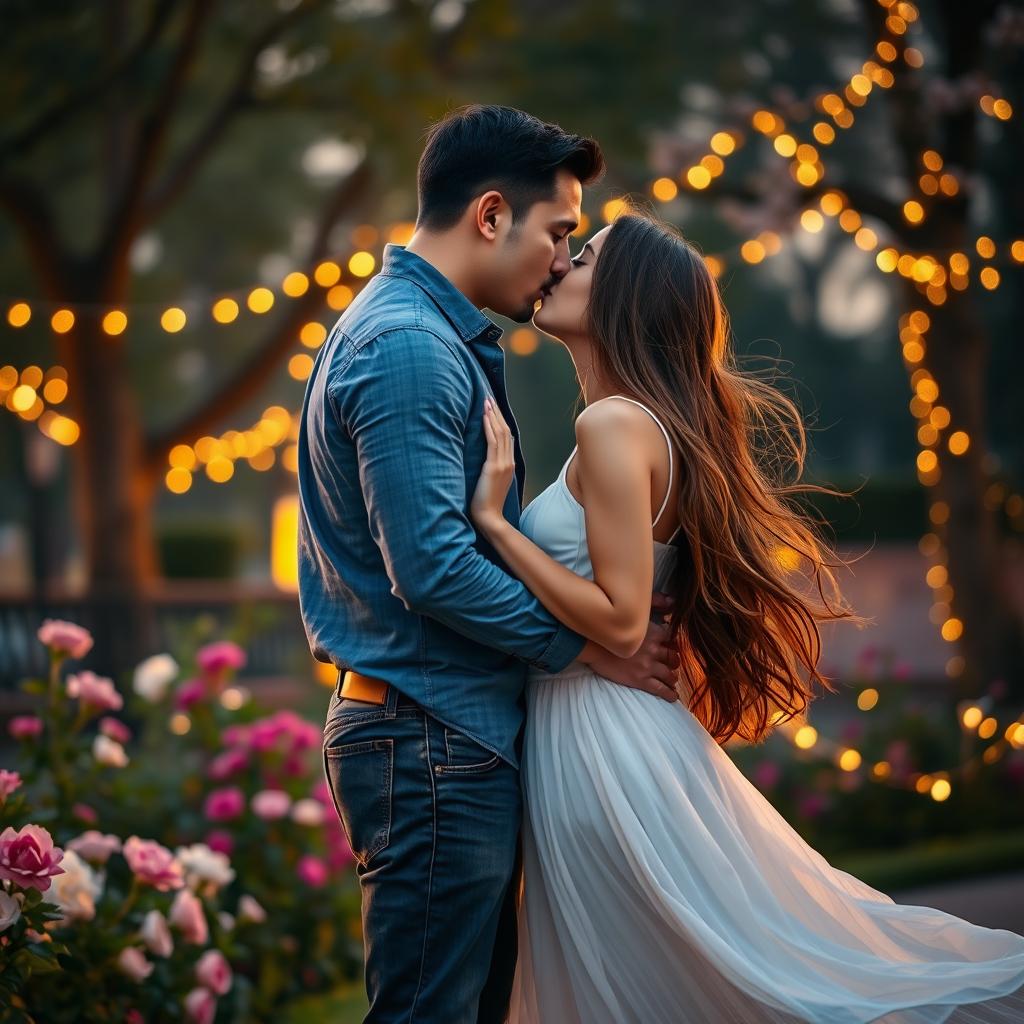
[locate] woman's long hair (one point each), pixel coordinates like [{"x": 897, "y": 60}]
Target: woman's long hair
[{"x": 745, "y": 619}]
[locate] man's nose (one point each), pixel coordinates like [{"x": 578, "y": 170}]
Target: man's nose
[{"x": 560, "y": 265}]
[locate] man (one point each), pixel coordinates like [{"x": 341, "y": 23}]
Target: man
[{"x": 421, "y": 742}]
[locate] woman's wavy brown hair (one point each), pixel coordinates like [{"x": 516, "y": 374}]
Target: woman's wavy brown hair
[{"x": 745, "y": 619}]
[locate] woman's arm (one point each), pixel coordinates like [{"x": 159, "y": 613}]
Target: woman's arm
[{"x": 614, "y": 608}]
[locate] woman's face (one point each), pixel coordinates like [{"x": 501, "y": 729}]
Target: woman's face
[{"x": 563, "y": 312}]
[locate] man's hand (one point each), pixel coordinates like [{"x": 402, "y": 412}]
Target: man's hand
[{"x": 652, "y": 669}]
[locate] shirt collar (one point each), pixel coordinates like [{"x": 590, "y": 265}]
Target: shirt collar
[{"x": 467, "y": 320}]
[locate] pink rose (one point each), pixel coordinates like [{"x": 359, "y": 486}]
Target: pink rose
[
  {"x": 83, "y": 812},
  {"x": 29, "y": 858},
  {"x": 95, "y": 846},
  {"x": 132, "y": 961},
  {"x": 25, "y": 727},
  {"x": 9, "y": 782},
  {"x": 115, "y": 729},
  {"x": 65, "y": 637},
  {"x": 235, "y": 736},
  {"x": 226, "y": 764},
  {"x": 133, "y": 1016},
  {"x": 201, "y": 1006},
  {"x": 156, "y": 934},
  {"x": 250, "y": 910},
  {"x": 220, "y": 841},
  {"x": 213, "y": 971},
  {"x": 271, "y": 804},
  {"x": 187, "y": 916},
  {"x": 215, "y": 658},
  {"x": 95, "y": 691},
  {"x": 189, "y": 693},
  {"x": 311, "y": 870},
  {"x": 153, "y": 864},
  {"x": 224, "y": 804}
]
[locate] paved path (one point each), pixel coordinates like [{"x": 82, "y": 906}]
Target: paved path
[{"x": 996, "y": 901}]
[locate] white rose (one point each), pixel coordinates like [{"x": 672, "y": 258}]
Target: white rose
[
  {"x": 153, "y": 676},
  {"x": 227, "y": 922},
  {"x": 10, "y": 909},
  {"x": 308, "y": 812},
  {"x": 108, "y": 751},
  {"x": 206, "y": 868},
  {"x": 77, "y": 889},
  {"x": 132, "y": 961},
  {"x": 249, "y": 909},
  {"x": 156, "y": 934}
]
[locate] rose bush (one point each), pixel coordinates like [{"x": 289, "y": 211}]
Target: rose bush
[{"x": 186, "y": 864}]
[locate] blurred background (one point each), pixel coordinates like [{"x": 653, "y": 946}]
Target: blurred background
[{"x": 192, "y": 192}]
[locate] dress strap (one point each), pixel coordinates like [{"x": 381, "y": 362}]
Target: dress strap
[{"x": 668, "y": 441}]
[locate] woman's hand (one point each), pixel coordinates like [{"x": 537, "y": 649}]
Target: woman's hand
[{"x": 498, "y": 471}]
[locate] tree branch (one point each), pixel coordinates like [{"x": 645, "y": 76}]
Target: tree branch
[
  {"x": 237, "y": 96},
  {"x": 250, "y": 378},
  {"x": 86, "y": 95},
  {"x": 34, "y": 219},
  {"x": 122, "y": 224}
]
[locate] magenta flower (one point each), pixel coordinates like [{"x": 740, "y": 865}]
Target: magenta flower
[
  {"x": 187, "y": 916},
  {"x": 270, "y": 804},
  {"x": 65, "y": 637},
  {"x": 153, "y": 864},
  {"x": 115, "y": 729},
  {"x": 311, "y": 870},
  {"x": 25, "y": 727},
  {"x": 226, "y": 764},
  {"x": 83, "y": 812},
  {"x": 9, "y": 782},
  {"x": 235, "y": 736},
  {"x": 200, "y": 1006},
  {"x": 28, "y": 857},
  {"x": 94, "y": 691},
  {"x": 189, "y": 693},
  {"x": 217, "y": 658},
  {"x": 214, "y": 972},
  {"x": 221, "y": 841},
  {"x": 224, "y": 804},
  {"x": 767, "y": 775},
  {"x": 95, "y": 846}
]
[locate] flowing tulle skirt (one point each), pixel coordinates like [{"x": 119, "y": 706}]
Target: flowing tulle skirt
[{"x": 661, "y": 887}]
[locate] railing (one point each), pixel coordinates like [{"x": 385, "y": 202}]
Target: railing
[{"x": 175, "y": 617}]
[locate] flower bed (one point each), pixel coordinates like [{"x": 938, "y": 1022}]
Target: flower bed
[{"x": 173, "y": 851}]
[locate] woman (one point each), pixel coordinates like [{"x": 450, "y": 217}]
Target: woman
[{"x": 659, "y": 885}]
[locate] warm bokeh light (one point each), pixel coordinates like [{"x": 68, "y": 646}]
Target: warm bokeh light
[
  {"x": 295, "y": 284},
  {"x": 313, "y": 335},
  {"x": 664, "y": 190},
  {"x": 340, "y": 296},
  {"x": 115, "y": 322},
  {"x": 260, "y": 300},
  {"x": 300, "y": 366},
  {"x": 62, "y": 321},
  {"x": 867, "y": 699},
  {"x": 362, "y": 264},
  {"x": 225, "y": 310},
  {"x": 614, "y": 208},
  {"x": 327, "y": 273},
  {"x": 173, "y": 320},
  {"x": 284, "y": 541},
  {"x": 19, "y": 314},
  {"x": 805, "y": 737}
]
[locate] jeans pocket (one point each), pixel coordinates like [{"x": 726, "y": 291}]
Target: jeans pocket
[
  {"x": 359, "y": 776},
  {"x": 464, "y": 756}
]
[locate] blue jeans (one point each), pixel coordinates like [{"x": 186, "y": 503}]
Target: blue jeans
[{"x": 433, "y": 820}]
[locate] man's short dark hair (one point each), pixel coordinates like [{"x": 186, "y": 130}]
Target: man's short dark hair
[{"x": 477, "y": 148}]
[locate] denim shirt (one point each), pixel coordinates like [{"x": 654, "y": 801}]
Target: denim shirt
[{"x": 394, "y": 580}]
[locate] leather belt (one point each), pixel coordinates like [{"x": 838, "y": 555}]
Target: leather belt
[{"x": 370, "y": 689}]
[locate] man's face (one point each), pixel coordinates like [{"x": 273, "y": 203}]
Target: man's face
[{"x": 533, "y": 255}]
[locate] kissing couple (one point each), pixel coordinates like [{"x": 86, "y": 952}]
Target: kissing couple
[{"x": 524, "y": 745}]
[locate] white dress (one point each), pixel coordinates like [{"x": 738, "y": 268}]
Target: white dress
[{"x": 661, "y": 887}]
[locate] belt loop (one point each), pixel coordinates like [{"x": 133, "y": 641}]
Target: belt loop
[
  {"x": 337, "y": 685},
  {"x": 391, "y": 707}
]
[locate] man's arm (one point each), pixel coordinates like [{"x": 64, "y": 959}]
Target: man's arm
[{"x": 405, "y": 399}]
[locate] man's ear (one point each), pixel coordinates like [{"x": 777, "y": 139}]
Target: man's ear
[{"x": 490, "y": 208}]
